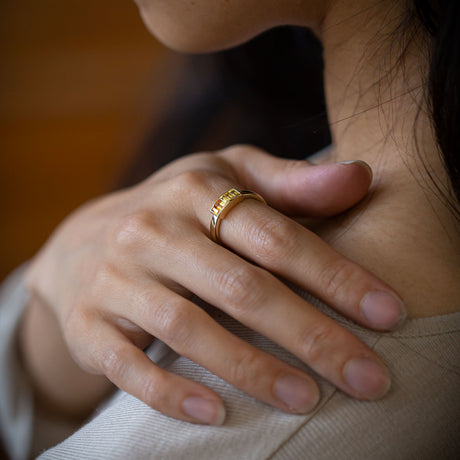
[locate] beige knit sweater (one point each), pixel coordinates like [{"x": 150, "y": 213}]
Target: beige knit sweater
[{"x": 419, "y": 419}]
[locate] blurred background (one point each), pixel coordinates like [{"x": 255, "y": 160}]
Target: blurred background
[{"x": 81, "y": 83}]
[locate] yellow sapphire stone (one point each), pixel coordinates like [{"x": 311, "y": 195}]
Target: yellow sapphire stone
[{"x": 224, "y": 200}]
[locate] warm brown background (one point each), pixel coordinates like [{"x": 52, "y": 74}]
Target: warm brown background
[{"x": 81, "y": 81}]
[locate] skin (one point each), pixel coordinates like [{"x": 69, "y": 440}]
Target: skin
[
  {"x": 179, "y": 24},
  {"x": 127, "y": 263}
]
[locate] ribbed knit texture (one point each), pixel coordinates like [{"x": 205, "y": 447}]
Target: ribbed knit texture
[{"x": 419, "y": 419}]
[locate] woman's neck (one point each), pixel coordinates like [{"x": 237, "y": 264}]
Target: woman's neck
[{"x": 403, "y": 232}]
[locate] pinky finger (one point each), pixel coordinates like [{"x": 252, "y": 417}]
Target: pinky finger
[{"x": 130, "y": 369}]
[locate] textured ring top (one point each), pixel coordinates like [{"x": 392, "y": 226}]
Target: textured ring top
[{"x": 225, "y": 204}]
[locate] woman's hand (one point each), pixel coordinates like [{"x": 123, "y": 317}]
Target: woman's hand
[{"x": 121, "y": 270}]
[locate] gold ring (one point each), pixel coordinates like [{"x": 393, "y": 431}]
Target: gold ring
[{"x": 224, "y": 205}]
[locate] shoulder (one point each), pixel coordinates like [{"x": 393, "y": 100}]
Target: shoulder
[{"x": 416, "y": 419}]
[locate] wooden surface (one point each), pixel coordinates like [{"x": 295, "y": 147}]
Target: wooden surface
[{"x": 80, "y": 83}]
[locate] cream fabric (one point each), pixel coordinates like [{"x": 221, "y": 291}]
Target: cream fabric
[
  {"x": 16, "y": 403},
  {"x": 419, "y": 419}
]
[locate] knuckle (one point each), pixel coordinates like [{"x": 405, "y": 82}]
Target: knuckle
[
  {"x": 152, "y": 392},
  {"x": 239, "y": 151},
  {"x": 174, "y": 323},
  {"x": 242, "y": 288},
  {"x": 112, "y": 362},
  {"x": 317, "y": 342},
  {"x": 78, "y": 320},
  {"x": 104, "y": 274},
  {"x": 273, "y": 240},
  {"x": 335, "y": 278},
  {"x": 193, "y": 180},
  {"x": 242, "y": 371},
  {"x": 293, "y": 165},
  {"x": 132, "y": 229},
  {"x": 104, "y": 278},
  {"x": 145, "y": 300}
]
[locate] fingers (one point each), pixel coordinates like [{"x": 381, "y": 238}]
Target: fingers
[
  {"x": 251, "y": 294},
  {"x": 163, "y": 241},
  {"x": 194, "y": 334},
  {"x": 286, "y": 248},
  {"x": 259, "y": 300},
  {"x": 131, "y": 370},
  {"x": 298, "y": 187}
]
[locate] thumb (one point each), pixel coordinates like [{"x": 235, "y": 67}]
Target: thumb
[{"x": 298, "y": 188}]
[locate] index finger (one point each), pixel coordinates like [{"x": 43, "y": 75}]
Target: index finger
[
  {"x": 297, "y": 187},
  {"x": 294, "y": 187}
]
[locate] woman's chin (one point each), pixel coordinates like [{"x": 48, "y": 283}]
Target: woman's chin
[
  {"x": 191, "y": 38},
  {"x": 188, "y": 42}
]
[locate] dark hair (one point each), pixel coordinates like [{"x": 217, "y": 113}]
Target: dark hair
[
  {"x": 269, "y": 92},
  {"x": 441, "y": 20}
]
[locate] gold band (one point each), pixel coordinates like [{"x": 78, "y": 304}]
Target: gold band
[{"x": 224, "y": 205}]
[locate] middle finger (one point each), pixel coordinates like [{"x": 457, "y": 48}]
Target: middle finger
[{"x": 259, "y": 300}]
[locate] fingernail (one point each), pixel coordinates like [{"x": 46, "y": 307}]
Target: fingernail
[
  {"x": 363, "y": 163},
  {"x": 297, "y": 393},
  {"x": 383, "y": 310},
  {"x": 367, "y": 377},
  {"x": 204, "y": 410}
]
